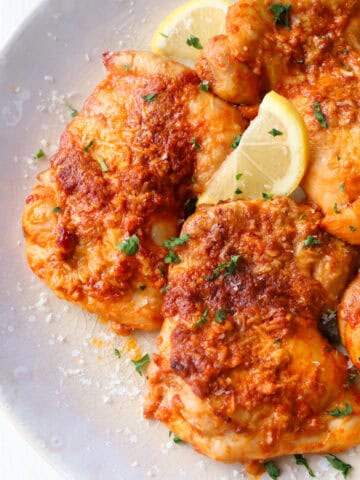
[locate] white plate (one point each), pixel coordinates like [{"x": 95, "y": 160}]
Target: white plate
[{"x": 59, "y": 377}]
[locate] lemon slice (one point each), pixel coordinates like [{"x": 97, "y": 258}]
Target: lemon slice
[
  {"x": 271, "y": 158},
  {"x": 193, "y": 23}
]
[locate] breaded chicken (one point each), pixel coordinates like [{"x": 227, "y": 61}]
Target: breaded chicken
[
  {"x": 242, "y": 370},
  {"x": 308, "y": 51},
  {"x": 146, "y": 139}
]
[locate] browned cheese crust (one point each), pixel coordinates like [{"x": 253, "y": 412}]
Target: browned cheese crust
[
  {"x": 256, "y": 381},
  {"x": 124, "y": 167}
]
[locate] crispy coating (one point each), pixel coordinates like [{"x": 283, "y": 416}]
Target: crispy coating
[
  {"x": 257, "y": 380},
  {"x": 124, "y": 167},
  {"x": 316, "y": 59}
]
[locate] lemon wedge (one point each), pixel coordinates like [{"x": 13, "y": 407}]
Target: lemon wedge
[
  {"x": 188, "y": 28},
  {"x": 271, "y": 157}
]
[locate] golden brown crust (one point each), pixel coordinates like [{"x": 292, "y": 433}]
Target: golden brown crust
[
  {"x": 147, "y": 147},
  {"x": 262, "y": 372}
]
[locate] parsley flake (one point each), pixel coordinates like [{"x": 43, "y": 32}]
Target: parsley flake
[
  {"x": 281, "y": 14},
  {"x": 220, "y": 316},
  {"x": 103, "y": 165},
  {"x": 89, "y": 145},
  {"x": 127, "y": 67},
  {"x": 277, "y": 341},
  {"x": 238, "y": 191},
  {"x": 301, "y": 460},
  {"x": 342, "y": 187},
  {"x": 345, "y": 51},
  {"x": 161, "y": 270},
  {"x": 176, "y": 241},
  {"x": 193, "y": 41},
  {"x": 311, "y": 241},
  {"x": 338, "y": 464},
  {"x": 39, "y": 154},
  {"x": 236, "y": 141},
  {"x": 227, "y": 268},
  {"x": 204, "y": 86},
  {"x": 272, "y": 469},
  {"x": 176, "y": 439},
  {"x": 195, "y": 144},
  {"x": 172, "y": 257},
  {"x": 238, "y": 176},
  {"x": 352, "y": 377},
  {"x": 275, "y": 133},
  {"x": 165, "y": 288},
  {"x": 319, "y": 115},
  {"x": 129, "y": 246},
  {"x": 117, "y": 352},
  {"x": 164, "y": 35},
  {"x": 337, "y": 412},
  {"x": 335, "y": 208},
  {"x": 140, "y": 364},
  {"x": 352, "y": 228},
  {"x": 72, "y": 110},
  {"x": 57, "y": 209},
  {"x": 203, "y": 319},
  {"x": 267, "y": 196},
  {"x": 150, "y": 97}
]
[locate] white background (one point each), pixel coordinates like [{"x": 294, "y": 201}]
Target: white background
[{"x": 18, "y": 460}]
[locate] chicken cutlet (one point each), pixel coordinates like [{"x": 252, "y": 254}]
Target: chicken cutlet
[
  {"x": 308, "y": 51},
  {"x": 145, "y": 141},
  {"x": 242, "y": 371}
]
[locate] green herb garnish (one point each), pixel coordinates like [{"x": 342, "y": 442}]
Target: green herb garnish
[
  {"x": 275, "y": 133},
  {"x": 342, "y": 187},
  {"x": 72, "y": 110},
  {"x": 140, "y": 364},
  {"x": 164, "y": 35},
  {"x": 319, "y": 115},
  {"x": 103, "y": 165},
  {"x": 150, "y": 97},
  {"x": 204, "y": 86},
  {"x": 195, "y": 144},
  {"x": 57, "y": 209},
  {"x": 176, "y": 241},
  {"x": 193, "y": 41},
  {"x": 352, "y": 228},
  {"x": 227, "y": 268},
  {"x": 117, "y": 352},
  {"x": 281, "y": 14},
  {"x": 238, "y": 176},
  {"x": 89, "y": 145},
  {"x": 310, "y": 241},
  {"x": 220, "y": 316},
  {"x": 267, "y": 196},
  {"x": 337, "y": 412},
  {"x": 129, "y": 246},
  {"x": 338, "y": 464},
  {"x": 162, "y": 270},
  {"x": 39, "y": 154},
  {"x": 277, "y": 341},
  {"x": 335, "y": 208},
  {"x": 272, "y": 469},
  {"x": 176, "y": 439},
  {"x": 236, "y": 141},
  {"x": 165, "y": 288},
  {"x": 203, "y": 319},
  {"x": 127, "y": 67},
  {"x": 238, "y": 191},
  {"x": 301, "y": 460},
  {"x": 171, "y": 257}
]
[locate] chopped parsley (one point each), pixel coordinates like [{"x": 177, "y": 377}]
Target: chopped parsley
[
  {"x": 172, "y": 257},
  {"x": 345, "y": 51},
  {"x": 267, "y": 196},
  {"x": 164, "y": 35},
  {"x": 236, "y": 141},
  {"x": 238, "y": 176},
  {"x": 89, "y": 145},
  {"x": 103, "y": 165},
  {"x": 352, "y": 377},
  {"x": 301, "y": 460},
  {"x": 226, "y": 268},
  {"x": 281, "y": 13},
  {"x": 352, "y": 228},
  {"x": 203, "y": 319},
  {"x": 39, "y": 154},
  {"x": 275, "y": 133},
  {"x": 195, "y": 144},
  {"x": 319, "y": 115},
  {"x": 140, "y": 364},
  {"x": 238, "y": 191},
  {"x": 277, "y": 341},
  {"x": 189, "y": 207},
  {"x": 193, "y": 41},
  {"x": 164, "y": 289},
  {"x": 129, "y": 246},
  {"x": 328, "y": 326},
  {"x": 337, "y": 412},
  {"x": 338, "y": 464},
  {"x": 57, "y": 209},
  {"x": 220, "y": 316},
  {"x": 342, "y": 187},
  {"x": 311, "y": 241},
  {"x": 272, "y": 469},
  {"x": 204, "y": 86},
  {"x": 335, "y": 208},
  {"x": 127, "y": 67},
  {"x": 162, "y": 270},
  {"x": 72, "y": 110},
  {"x": 193, "y": 180},
  {"x": 150, "y": 97},
  {"x": 176, "y": 439},
  {"x": 117, "y": 352},
  {"x": 176, "y": 241}
]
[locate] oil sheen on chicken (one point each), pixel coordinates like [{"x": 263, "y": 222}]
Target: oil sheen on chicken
[
  {"x": 146, "y": 140},
  {"x": 242, "y": 370}
]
